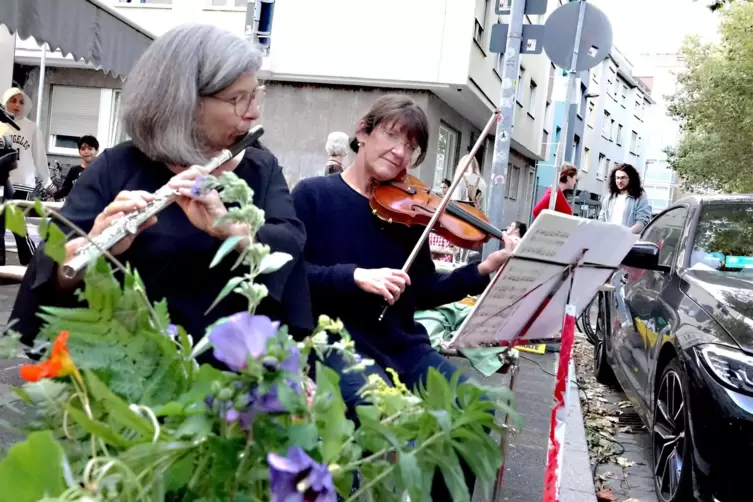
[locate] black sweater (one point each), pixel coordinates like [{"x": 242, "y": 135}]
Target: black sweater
[{"x": 342, "y": 234}]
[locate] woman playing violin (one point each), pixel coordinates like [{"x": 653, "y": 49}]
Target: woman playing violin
[{"x": 354, "y": 258}]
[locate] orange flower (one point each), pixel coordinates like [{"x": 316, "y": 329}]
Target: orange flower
[{"x": 59, "y": 364}]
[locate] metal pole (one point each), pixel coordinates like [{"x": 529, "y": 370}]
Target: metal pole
[
  {"x": 40, "y": 89},
  {"x": 569, "y": 99},
  {"x": 510, "y": 70}
]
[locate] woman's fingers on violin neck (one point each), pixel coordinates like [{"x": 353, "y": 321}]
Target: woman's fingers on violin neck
[{"x": 399, "y": 274}]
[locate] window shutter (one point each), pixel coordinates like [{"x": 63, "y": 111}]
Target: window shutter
[{"x": 75, "y": 111}]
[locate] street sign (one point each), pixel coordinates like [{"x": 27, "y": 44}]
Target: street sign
[
  {"x": 532, "y": 41},
  {"x": 560, "y": 33},
  {"x": 532, "y": 8}
]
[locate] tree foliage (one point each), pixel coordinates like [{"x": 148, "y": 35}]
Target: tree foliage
[
  {"x": 715, "y": 107},
  {"x": 715, "y": 5}
]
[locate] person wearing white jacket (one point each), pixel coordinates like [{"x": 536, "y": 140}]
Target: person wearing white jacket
[{"x": 32, "y": 162}]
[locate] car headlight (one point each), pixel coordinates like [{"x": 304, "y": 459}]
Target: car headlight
[{"x": 732, "y": 367}]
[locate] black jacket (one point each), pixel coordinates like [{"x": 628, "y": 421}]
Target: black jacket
[{"x": 173, "y": 256}]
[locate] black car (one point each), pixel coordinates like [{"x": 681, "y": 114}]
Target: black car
[{"x": 676, "y": 331}]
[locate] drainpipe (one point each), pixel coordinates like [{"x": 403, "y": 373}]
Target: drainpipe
[{"x": 40, "y": 89}]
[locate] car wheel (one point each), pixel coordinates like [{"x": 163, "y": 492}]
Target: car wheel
[
  {"x": 602, "y": 371},
  {"x": 673, "y": 464}
]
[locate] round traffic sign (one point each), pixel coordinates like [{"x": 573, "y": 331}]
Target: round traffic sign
[{"x": 559, "y": 36}]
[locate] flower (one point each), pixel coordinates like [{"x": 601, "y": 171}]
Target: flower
[
  {"x": 241, "y": 336},
  {"x": 59, "y": 364},
  {"x": 197, "y": 190},
  {"x": 297, "y": 478}
]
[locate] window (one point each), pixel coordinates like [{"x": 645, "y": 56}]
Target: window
[
  {"x": 575, "y": 149},
  {"x": 532, "y": 98},
  {"x": 544, "y": 144},
  {"x": 611, "y": 129},
  {"x": 499, "y": 65},
  {"x": 638, "y": 146},
  {"x": 582, "y": 101},
  {"x": 619, "y": 134},
  {"x": 447, "y": 150},
  {"x": 633, "y": 142},
  {"x": 478, "y": 33},
  {"x": 611, "y": 78},
  {"x": 513, "y": 181},
  {"x": 230, "y": 3},
  {"x": 586, "y": 160},
  {"x": 602, "y": 167},
  {"x": 605, "y": 125},
  {"x": 521, "y": 79},
  {"x": 77, "y": 111},
  {"x": 666, "y": 231},
  {"x": 616, "y": 89},
  {"x": 637, "y": 109},
  {"x": 624, "y": 95},
  {"x": 591, "y": 119},
  {"x": 482, "y": 17},
  {"x": 547, "y": 116}
]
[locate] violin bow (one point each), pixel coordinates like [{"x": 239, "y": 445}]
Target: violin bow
[{"x": 446, "y": 199}]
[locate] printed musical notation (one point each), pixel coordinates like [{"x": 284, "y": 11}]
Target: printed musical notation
[{"x": 515, "y": 294}]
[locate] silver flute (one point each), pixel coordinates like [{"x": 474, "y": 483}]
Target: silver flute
[{"x": 129, "y": 224}]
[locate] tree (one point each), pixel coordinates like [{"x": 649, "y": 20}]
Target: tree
[{"x": 715, "y": 107}]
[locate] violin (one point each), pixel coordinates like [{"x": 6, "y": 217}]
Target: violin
[{"x": 408, "y": 201}]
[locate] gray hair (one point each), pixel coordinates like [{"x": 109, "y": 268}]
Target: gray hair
[
  {"x": 162, "y": 93},
  {"x": 337, "y": 144}
]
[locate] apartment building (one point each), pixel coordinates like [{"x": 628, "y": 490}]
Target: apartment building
[
  {"x": 661, "y": 183},
  {"x": 324, "y": 63},
  {"x": 617, "y": 113}
]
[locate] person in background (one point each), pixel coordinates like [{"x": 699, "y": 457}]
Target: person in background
[
  {"x": 88, "y": 146},
  {"x": 445, "y": 186},
  {"x": 472, "y": 188},
  {"x": 517, "y": 229},
  {"x": 627, "y": 204},
  {"x": 568, "y": 179},
  {"x": 32, "y": 163},
  {"x": 337, "y": 149}
]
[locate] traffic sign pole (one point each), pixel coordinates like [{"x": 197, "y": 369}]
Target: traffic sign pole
[
  {"x": 510, "y": 71},
  {"x": 569, "y": 100}
]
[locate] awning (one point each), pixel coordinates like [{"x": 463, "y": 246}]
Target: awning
[{"x": 85, "y": 29}]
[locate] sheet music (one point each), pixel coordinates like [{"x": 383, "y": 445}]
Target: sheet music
[{"x": 516, "y": 292}]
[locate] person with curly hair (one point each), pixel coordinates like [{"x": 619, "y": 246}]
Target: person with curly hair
[{"x": 627, "y": 203}]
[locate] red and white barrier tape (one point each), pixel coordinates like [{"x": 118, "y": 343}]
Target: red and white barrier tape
[{"x": 553, "y": 474}]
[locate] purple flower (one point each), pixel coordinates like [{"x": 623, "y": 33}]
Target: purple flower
[
  {"x": 172, "y": 331},
  {"x": 270, "y": 402},
  {"x": 198, "y": 189},
  {"x": 297, "y": 478},
  {"x": 241, "y": 336}
]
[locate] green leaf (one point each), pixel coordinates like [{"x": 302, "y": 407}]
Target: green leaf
[
  {"x": 410, "y": 474},
  {"x": 273, "y": 262},
  {"x": 33, "y": 469},
  {"x": 439, "y": 395},
  {"x": 453, "y": 476},
  {"x": 195, "y": 427},
  {"x": 55, "y": 244},
  {"x": 233, "y": 283},
  {"x": 226, "y": 248},
  {"x": 96, "y": 428},
  {"x": 170, "y": 409},
  {"x": 118, "y": 409},
  {"x": 306, "y": 436},
  {"x": 332, "y": 425},
  {"x": 43, "y": 220},
  {"x": 178, "y": 475},
  {"x": 14, "y": 220},
  {"x": 368, "y": 413}
]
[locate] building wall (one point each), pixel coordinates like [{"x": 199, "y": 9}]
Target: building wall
[{"x": 159, "y": 18}]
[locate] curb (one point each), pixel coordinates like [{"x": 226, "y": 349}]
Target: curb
[{"x": 577, "y": 480}]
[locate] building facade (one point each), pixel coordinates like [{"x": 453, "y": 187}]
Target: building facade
[
  {"x": 324, "y": 63},
  {"x": 661, "y": 183}
]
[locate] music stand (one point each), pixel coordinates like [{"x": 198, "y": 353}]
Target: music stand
[{"x": 556, "y": 270}]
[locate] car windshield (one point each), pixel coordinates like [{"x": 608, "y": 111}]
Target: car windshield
[{"x": 724, "y": 239}]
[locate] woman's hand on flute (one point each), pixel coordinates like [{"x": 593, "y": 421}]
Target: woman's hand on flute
[
  {"x": 203, "y": 208},
  {"x": 125, "y": 202}
]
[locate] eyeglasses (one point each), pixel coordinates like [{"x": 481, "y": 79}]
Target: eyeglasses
[
  {"x": 242, "y": 102},
  {"x": 396, "y": 140},
  {"x": 621, "y": 178}
]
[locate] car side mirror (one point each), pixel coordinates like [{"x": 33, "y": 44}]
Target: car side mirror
[{"x": 644, "y": 255}]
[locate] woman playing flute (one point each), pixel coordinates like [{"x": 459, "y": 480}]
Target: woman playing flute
[{"x": 193, "y": 93}]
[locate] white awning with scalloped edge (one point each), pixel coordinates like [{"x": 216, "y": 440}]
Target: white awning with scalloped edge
[{"x": 85, "y": 29}]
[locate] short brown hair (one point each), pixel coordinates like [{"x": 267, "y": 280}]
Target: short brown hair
[
  {"x": 398, "y": 110},
  {"x": 567, "y": 170}
]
